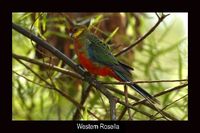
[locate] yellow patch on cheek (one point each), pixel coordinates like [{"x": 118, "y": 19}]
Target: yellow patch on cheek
[{"x": 76, "y": 34}]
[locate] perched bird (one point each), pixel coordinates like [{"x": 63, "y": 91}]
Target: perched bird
[{"x": 94, "y": 55}]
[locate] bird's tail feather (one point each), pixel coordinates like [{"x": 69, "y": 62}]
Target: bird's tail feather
[
  {"x": 145, "y": 94},
  {"x": 137, "y": 88}
]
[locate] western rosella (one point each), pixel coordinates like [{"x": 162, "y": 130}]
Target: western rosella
[{"x": 94, "y": 55}]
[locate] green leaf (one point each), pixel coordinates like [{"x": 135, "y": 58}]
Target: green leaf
[
  {"x": 111, "y": 35},
  {"x": 85, "y": 114},
  {"x": 95, "y": 20},
  {"x": 44, "y": 22}
]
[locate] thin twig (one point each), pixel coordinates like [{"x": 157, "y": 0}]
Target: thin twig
[
  {"x": 144, "y": 81},
  {"x": 30, "y": 80},
  {"x": 62, "y": 93},
  {"x": 83, "y": 99},
  {"x": 160, "y": 19},
  {"x": 129, "y": 106},
  {"x": 159, "y": 94},
  {"x": 44, "y": 64},
  {"x": 42, "y": 79},
  {"x": 135, "y": 99},
  {"x": 126, "y": 100},
  {"x": 113, "y": 102},
  {"x": 163, "y": 92},
  {"x": 173, "y": 103}
]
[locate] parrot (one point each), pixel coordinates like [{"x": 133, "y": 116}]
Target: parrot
[{"x": 95, "y": 56}]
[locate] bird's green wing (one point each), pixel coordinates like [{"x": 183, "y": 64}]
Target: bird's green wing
[{"x": 99, "y": 52}]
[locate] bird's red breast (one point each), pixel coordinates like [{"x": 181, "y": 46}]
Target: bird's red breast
[{"x": 92, "y": 67}]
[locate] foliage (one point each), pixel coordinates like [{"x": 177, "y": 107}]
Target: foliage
[{"x": 163, "y": 55}]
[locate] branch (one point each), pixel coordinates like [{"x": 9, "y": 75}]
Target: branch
[
  {"x": 138, "y": 100},
  {"x": 164, "y": 92},
  {"x": 64, "y": 71},
  {"x": 83, "y": 99},
  {"x": 67, "y": 60},
  {"x": 44, "y": 64},
  {"x": 126, "y": 100},
  {"x": 42, "y": 79},
  {"x": 68, "y": 97},
  {"x": 113, "y": 108},
  {"x": 171, "y": 89},
  {"x": 144, "y": 81},
  {"x": 143, "y": 101},
  {"x": 129, "y": 106},
  {"x": 31, "y": 80},
  {"x": 160, "y": 19},
  {"x": 173, "y": 103},
  {"x": 159, "y": 94},
  {"x": 87, "y": 77}
]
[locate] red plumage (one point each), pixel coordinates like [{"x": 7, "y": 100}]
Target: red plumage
[{"x": 90, "y": 65}]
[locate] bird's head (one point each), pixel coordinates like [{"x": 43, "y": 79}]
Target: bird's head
[{"x": 77, "y": 30}]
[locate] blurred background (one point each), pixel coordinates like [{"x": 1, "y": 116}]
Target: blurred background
[{"x": 163, "y": 55}]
